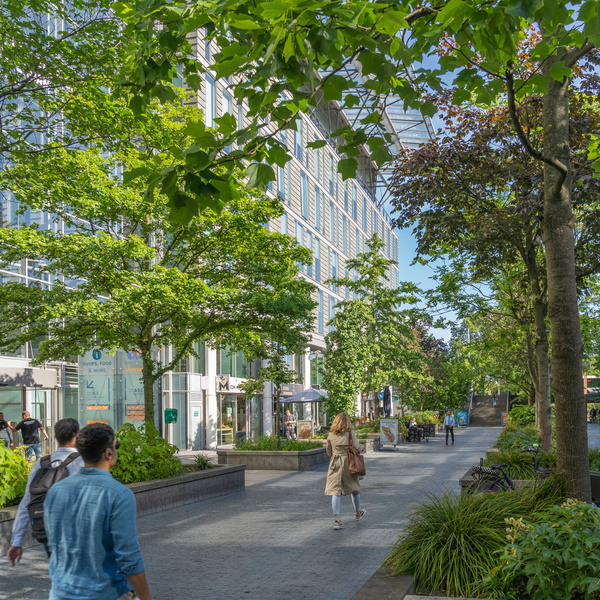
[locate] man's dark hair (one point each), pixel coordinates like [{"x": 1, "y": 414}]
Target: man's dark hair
[
  {"x": 93, "y": 440},
  {"x": 65, "y": 430}
]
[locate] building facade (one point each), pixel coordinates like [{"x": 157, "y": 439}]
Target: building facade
[{"x": 331, "y": 217}]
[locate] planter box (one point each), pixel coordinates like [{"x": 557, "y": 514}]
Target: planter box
[
  {"x": 369, "y": 445},
  {"x": 156, "y": 496},
  {"x": 467, "y": 479},
  {"x": 272, "y": 460}
]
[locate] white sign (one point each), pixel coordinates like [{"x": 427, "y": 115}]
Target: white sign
[{"x": 388, "y": 432}]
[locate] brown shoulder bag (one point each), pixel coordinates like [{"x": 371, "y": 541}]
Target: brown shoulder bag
[{"x": 356, "y": 461}]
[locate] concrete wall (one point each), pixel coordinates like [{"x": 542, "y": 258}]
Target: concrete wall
[{"x": 304, "y": 460}]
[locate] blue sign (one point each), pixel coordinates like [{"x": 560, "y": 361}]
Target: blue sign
[
  {"x": 381, "y": 395},
  {"x": 463, "y": 418},
  {"x": 97, "y": 354}
]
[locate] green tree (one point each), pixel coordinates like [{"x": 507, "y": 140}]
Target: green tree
[
  {"x": 139, "y": 281},
  {"x": 347, "y": 357},
  {"x": 376, "y": 321},
  {"x": 304, "y": 50}
]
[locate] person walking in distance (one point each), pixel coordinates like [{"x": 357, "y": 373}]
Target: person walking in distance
[
  {"x": 340, "y": 482},
  {"x": 65, "y": 431},
  {"x": 6, "y": 430},
  {"x": 29, "y": 430},
  {"x": 449, "y": 426},
  {"x": 90, "y": 523},
  {"x": 494, "y": 400},
  {"x": 290, "y": 425}
]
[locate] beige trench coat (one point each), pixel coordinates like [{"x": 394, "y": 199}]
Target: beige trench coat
[{"x": 340, "y": 482}]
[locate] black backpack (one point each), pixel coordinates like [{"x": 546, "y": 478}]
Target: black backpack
[{"x": 43, "y": 480}]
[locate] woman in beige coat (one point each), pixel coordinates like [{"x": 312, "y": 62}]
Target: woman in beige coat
[{"x": 340, "y": 482}]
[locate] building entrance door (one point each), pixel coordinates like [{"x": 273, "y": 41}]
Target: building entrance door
[{"x": 196, "y": 421}]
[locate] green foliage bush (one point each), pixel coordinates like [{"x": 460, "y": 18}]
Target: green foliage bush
[
  {"x": 521, "y": 415},
  {"x": 517, "y": 437},
  {"x": 143, "y": 455},
  {"x": 552, "y": 555},
  {"x": 519, "y": 464},
  {"x": 202, "y": 462},
  {"x": 450, "y": 540},
  {"x": 14, "y": 470},
  {"x": 269, "y": 442},
  {"x": 595, "y": 459}
]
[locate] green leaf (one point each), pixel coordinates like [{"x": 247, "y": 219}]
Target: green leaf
[
  {"x": 334, "y": 87},
  {"x": 347, "y": 167},
  {"x": 590, "y": 16},
  {"x": 558, "y": 71},
  {"x": 428, "y": 108},
  {"x": 317, "y": 144},
  {"x": 131, "y": 174},
  {"x": 244, "y": 23},
  {"x": 259, "y": 175},
  {"x": 524, "y": 9},
  {"x": 136, "y": 104}
]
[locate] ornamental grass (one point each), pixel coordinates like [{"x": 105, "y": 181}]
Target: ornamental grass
[{"x": 450, "y": 542}]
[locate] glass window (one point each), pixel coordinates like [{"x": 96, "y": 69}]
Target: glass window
[
  {"x": 299, "y": 238},
  {"x": 317, "y": 208},
  {"x": 304, "y": 194},
  {"x": 344, "y": 235},
  {"x": 240, "y": 117},
  {"x": 226, "y": 363},
  {"x": 375, "y": 222},
  {"x": 320, "y": 315},
  {"x": 347, "y": 288},
  {"x": 317, "y": 259},
  {"x": 317, "y": 164},
  {"x": 309, "y": 269},
  {"x": 346, "y": 196},
  {"x": 288, "y": 195},
  {"x": 364, "y": 215},
  {"x": 228, "y": 109},
  {"x": 331, "y": 216},
  {"x": 354, "y": 207},
  {"x": 331, "y": 313},
  {"x": 281, "y": 182},
  {"x": 331, "y": 174},
  {"x": 242, "y": 366},
  {"x": 198, "y": 363},
  {"x": 206, "y": 45},
  {"x": 284, "y": 223},
  {"x": 211, "y": 102},
  {"x": 298, "y": 143},
  {"x": 334, "y": 269},
  {"x": 357, "y": 242}
]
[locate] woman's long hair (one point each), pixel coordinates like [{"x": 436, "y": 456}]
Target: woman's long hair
[{"x": 341, "y": 424}]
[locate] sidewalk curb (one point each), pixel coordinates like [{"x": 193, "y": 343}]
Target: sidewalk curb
[{"x": 384, "y": 587}]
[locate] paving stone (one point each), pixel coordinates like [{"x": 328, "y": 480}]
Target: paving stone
[{"x": 276, "y": 539}]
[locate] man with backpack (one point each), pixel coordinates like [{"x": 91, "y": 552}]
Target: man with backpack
[{"x": 44, "y": 473}]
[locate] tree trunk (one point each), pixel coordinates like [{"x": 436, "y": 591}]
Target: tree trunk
[
  {"x": 563, "y": 311},
  {"x": 148, "y": 381}
]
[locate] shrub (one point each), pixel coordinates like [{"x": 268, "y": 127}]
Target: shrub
[
  {"x": 595, "y": 459},
  {"x": 450, "y": 540},
  {"x": 14, "y": 470},
  {"x": 516, "y": 437},
  {"x": 202, "y": 462},
  {"x": 266, "y": 443},
  {"x": 550, "y": 556},
  {"x": 519, "y": 464},
  {"x": 143, "y": 455},
  {"x": 521, "y": 415}
]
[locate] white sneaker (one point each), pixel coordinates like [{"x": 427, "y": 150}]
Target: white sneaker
[
  {"x": 361, "y": 513},
  {"x": 337, "y": 525}
]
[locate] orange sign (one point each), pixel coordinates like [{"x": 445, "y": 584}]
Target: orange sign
[
  {"x": 98, "y": 407},
  {"x": 90, "y": 422}
]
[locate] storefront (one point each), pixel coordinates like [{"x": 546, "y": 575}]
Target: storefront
[{"x": 238, "y": 415}]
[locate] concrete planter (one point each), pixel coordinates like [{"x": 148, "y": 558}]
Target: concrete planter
[
  {"x": 369, "y": 445},
  {"x": 467, "y": 479},
  {"x": 271, "y": 460},
  {"x": 156, "y": 496}
]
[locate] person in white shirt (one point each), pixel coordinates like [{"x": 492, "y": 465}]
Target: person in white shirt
[
  {"x": 449, "y": 426},
  {"x": 65, "y": 432}
]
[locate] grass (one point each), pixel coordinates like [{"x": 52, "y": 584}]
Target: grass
[
  {"x": 520, "y": 465},
  {"x": 450, "y": 541}
]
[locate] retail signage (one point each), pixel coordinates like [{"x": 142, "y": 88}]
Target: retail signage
[
  {"x": 463, "y": 418},
  {"x": 504, "y": 418},
  {"x": 388, "y": 432},
  {"x": 135, "y": 412},
  {"x": 305, "y": 429},
  {"x": 98, "y": 406},
  {"x": 289, "y": 389},
  {"x": 226, "y": 384}
]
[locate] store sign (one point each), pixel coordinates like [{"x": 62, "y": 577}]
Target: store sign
[
  {"x": 226, "y": 384},
  {"x": 135, "y": 412},
  {"x": 388, "y": 432},
  {"x": 289, "y": 389},
  {"x": 463, "y": 418},
  {"x": 504, "y": 418}
]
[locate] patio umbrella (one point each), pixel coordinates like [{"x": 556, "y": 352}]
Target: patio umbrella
[
  {"x": 387, "y": 401},
  {"x": 307, "y": 395}
]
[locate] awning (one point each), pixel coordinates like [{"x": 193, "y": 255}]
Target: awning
[{"x": 308, "y": 395}]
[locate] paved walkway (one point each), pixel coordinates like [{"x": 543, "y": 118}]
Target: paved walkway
[{"x": 276, "y": 539}]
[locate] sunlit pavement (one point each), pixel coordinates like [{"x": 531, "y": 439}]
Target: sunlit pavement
[{"x": 276, "y": 539}]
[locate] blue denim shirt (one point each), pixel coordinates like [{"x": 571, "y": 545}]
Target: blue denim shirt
[{"x": 90, "y": 522}]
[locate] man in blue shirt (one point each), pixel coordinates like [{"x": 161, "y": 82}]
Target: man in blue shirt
[
  {"x": 65, "y": 431},
  {"x": 449, "y": 426},
  {"x": 90, "y": 522}
]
